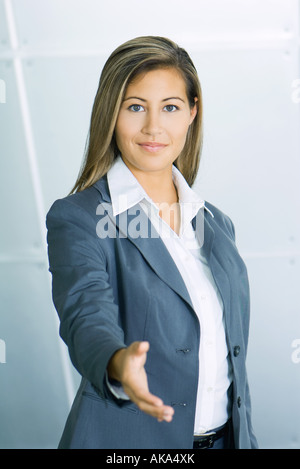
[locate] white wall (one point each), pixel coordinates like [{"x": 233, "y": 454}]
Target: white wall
[{"x": 247, "y": 56}]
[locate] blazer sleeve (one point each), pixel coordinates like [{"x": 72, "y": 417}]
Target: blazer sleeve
[{"x": 81, "y": 291}]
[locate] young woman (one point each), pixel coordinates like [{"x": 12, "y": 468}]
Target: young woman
[{"x": 150, "y": 289}]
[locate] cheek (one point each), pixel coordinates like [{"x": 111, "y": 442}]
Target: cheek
[
  {"x": 179, "y": 131},
  {"x": 125, "y": 131},
  {"x": 121, "y": 136}
]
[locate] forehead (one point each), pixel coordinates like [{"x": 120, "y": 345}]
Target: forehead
[{"x": 157, "y": 82}]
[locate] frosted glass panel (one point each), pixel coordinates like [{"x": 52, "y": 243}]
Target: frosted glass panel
[
  {"x": 274, "y": 376},
  {"x": 61, "y": 94},
  {"x": 247, "y": 55},
  {"x": 4, "y": 40},
  {"x": 93, "y": 24},
  {"x": 21, "y": 228},
  {"x": 251, "y": 130},
  {"x": 31, "y": 379}
]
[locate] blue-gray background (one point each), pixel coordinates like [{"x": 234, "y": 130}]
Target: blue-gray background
[{"x": 247, "y": 56}]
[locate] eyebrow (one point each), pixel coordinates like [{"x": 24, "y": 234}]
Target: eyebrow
[{"x": 144, "y": 100}]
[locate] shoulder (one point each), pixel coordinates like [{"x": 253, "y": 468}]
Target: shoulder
[
  {"x": 220, "y": 220},
  {"x": 82, "y": 203}
]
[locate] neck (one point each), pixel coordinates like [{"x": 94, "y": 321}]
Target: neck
[
  {"x": 158, "y": 185},
  {"x": 160, "y": 189}
]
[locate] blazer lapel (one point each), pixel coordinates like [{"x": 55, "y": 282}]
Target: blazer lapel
[
  {"x": 155, "y": 252},
  {"x": 214, "y": 254},
  {"x": 157, "y": 255}
]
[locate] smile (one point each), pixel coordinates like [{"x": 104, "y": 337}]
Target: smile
[{"x": 152, "y": 147}]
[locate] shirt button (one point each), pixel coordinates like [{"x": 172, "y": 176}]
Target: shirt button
[
  {"x": 239, "y": 401},
  {"x": 236, "y": 350}
]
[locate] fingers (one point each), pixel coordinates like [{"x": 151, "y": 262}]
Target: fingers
[
  {"x": 153, "y": 405},
  {"x": 135, "y": 383}
]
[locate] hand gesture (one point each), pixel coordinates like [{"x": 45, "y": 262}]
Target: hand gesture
[{"x": 127, "y": 366}]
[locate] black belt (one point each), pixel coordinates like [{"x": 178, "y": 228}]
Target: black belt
[{"x": 207, "y": 440}]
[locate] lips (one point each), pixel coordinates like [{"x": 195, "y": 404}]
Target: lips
[{"x": 152, "y": 147}]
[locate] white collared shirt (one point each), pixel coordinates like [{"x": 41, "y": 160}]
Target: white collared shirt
[{"x": 214, "y": 364}]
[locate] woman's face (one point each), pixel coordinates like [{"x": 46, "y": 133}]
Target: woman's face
[{"x": 153, "y": 121}]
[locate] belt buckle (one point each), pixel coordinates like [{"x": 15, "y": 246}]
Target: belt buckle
[
  {"x": 206, "y": 441},
  {"x": 210, "y": 442}
]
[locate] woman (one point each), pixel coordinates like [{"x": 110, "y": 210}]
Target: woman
[{"x": 142, "y": 269}]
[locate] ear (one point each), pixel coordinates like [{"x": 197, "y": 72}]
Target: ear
[{"x": 194, "y": 111}]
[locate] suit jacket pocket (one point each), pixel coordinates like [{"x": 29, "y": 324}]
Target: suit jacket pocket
[{"x": 118, "y": 404}]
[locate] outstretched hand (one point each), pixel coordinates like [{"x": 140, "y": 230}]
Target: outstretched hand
[{"x": 127, "y": 366}]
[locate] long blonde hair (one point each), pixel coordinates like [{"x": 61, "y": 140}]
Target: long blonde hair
[{"x": 136, "y": 56}]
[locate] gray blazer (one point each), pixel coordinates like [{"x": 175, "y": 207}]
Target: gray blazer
[{"x": 112, "y": 291}]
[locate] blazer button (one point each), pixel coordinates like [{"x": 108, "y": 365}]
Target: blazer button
[
  {"x": 236, "y": 350},
  {"x": 239, "y": 401}
]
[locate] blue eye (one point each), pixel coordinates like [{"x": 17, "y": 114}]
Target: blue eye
[
  {"x": 136, "y": 108},
  {"x": 171, "y": 108}
]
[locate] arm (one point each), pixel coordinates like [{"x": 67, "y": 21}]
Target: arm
[
  {"x": 84, "y": 301},
  {"x": 81, "y": 292}
]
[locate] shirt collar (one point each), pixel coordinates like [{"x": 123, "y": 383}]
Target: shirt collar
[{"x": 126, "y": 191}]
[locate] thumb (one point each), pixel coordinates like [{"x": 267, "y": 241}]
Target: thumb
[
  {"x": 143, "y": 347},
  {"x": 139, "y": 352},
  {"x": 139, "y": 348}
]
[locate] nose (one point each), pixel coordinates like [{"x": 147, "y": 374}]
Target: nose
[{"x": 152, "y": 123}]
